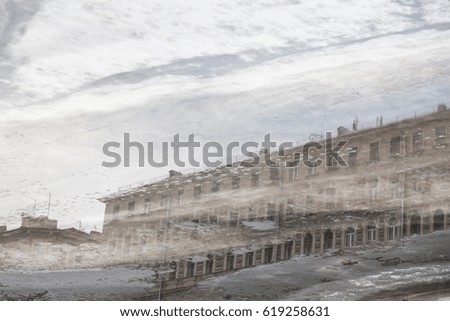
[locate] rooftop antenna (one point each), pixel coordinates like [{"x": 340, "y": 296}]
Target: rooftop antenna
[
  {"x": 49, "y": 202},
  {"x": 323, "y": 121},
  {"x": 80, "y": 227}
]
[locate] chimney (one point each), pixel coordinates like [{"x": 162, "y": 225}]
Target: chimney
[
  {"x": 173, "y": 173},
  {"x": 441, "y": 107},
  {"x": 342, "y": 131}
]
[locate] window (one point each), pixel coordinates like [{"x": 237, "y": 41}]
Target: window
[
  {"x": 172, "y": 275},
  {"x": 131, "y": 207},
  {"x": 251, "y": 213},
  {"x": 373, "y": 189},
  {"x": 234, "y": 216},
  {"x": 147, "y": 205},
  {"x": 116, "y": 210},
  {"x": 350, "y": 237},
  {"x": 416, "y": 185},
  {"x": 438, "y": 220},
  {"x": 203, "y": 218},
  {"x": 328, "y": 240},
  {"x": 208, "y": 266},
  {"x": 352, "y": 156},
  {"x": 180, "y": 196},
  {"x": 190, "y": 269},
  {"x": 418, "y": 142},
  {"x": 278, "y": 252},
  {"x": 392, "y": 229},
  {"x": 249, "y": 259},
  {"x": 310, "y": 202},
  {"x": 374, "y": 155},
  {"x": 230, "y": 261},
  {"x": 395, "y": 188},
  {"x": 290, "y": 210},
  {"x": 288, "y": 249},
  {"x": 425, "y": 185},
  {"x": 164, "y": 202},
  {"x": 330, "y": 198},
  {"x": 308, "y": 244},
  {"x": 415, "y": 224},
  {"x": 235, "y": 182},
  {"x": 268, "y": 255},
  {"x": 371, "y": 232},
  {"x": 215, "y": 188},
  {"x": 274, "y": 174},
  {"x": 197, "y": 193},
  {"x": 441, "y": 135},
  {"x": 395, "y": 146},
  {"x": 255, "y": 179}
]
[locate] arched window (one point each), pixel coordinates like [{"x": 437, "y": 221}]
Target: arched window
[
  {"x": 288, "y": 247},
  {"x": 328, "y": 238},
  {"x": 371, "y": 232},
  {"x": 308, "y": 244},
  {"x": 209, "y": 265},
  {"x": 392, "y": 228},
  {"x": 438, "y": 220},
  {"x": 415, "y": 224},
  {"x": 350, "y": 237}
]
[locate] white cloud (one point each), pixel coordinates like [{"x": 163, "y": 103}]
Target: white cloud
[{"x": 224, "y": 70}]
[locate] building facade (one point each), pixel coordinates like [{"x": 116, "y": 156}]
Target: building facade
[{"x": 396, "y": 184}]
